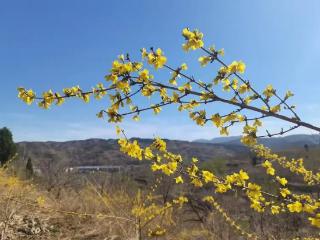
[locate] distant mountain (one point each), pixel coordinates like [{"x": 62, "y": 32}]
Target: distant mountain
[
  {"x": 106, "y": 152},
  {"x": 275, "y": 143},
  {"x": 220, "y": 139}
]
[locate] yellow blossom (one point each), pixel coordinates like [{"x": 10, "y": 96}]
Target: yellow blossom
[
  {"x": 243, "y": 88},
  {"x": 268, "y": 91},
  {"x": 179, "y": 179},
  {"x": 204, "y": 60},
  {"x": 282, "y": 181},
  {"x": 217, "y": 120},
  {"x": 184, "y": 66},
  {"x": 118, "y": 130},
  {"x": 157, "y": 59},
  {"x": 193, "y": 39},
  {"x": 208, "y": 176},
  {"x": 284, "y": 192},
  {"x": 295, "y": 207},
  {"x": 160, "y": 144},
  {"x": 144, "y": 76},
  {"x": 315, "y": 221},
  {"x": 275, "y": 209},
  {"x": 27, "y": 96}
]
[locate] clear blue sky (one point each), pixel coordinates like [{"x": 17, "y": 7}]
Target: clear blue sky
[{"x": 55, "y": 44}]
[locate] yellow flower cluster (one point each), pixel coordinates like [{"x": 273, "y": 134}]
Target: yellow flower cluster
[
  {"x": 132, "y": 149},
  {"x": 249, "y": 136},
  {"x": 268, "y": 91},
  {"x": 146, "y": 212},
  {"x": 234, "y": 179},
  {"x": 294, "y": 165},
  {"x": 255, "y": 196},
  {"x": 181, "y": 200},
  {"x": 199, "y": 117},
  {"x": 160, "y": 144},
  {"x": 234, "y": 67},
  {"x": 167, "y": 163},
  {"x": 49, "y": 97},
  {"x": 99, "y": 91},
  {"x": 204, "y": 60},
  {"x": 269, "y": 168},
  {"x": 120, "y": 71},
  {"x": 155, "y": 58},
  {"x": 156, "y": 232},
  {"x": 193, "y": 39},
  {"x": 298, "y": 203},
  {"x": 172, "y": 164},
  {"x": 145, "y": 76},
  {"x": 27, "y": 96},
  {"x": 244, "y": 88},
  {"x": 315, "y": 221},
  {"x": 16, "y": 190},
  {"x": 229, "y": 220},
  {"x": 271, "y": 171}
]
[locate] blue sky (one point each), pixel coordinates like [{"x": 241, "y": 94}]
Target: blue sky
[{"x": 56, "y": 44}]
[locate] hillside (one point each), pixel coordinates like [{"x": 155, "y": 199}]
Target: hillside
[
  {"x": 106, "y": 152},
  {"x": 275, "y": 143}
]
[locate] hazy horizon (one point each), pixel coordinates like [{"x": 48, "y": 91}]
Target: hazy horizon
[{"x": 171, "y": 139}]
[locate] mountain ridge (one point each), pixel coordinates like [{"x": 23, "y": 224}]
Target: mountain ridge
[
  {"x": 106, "y": 151},
  {"x": 275, "y": 143},
  {"x": 98, "y": 151}
]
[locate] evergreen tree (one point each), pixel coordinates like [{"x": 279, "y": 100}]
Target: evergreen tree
[
  {"x": 29, "y": 168},
  {"x": 7, "y": 146}
]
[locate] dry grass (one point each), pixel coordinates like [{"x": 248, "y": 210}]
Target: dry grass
[{"x": 88, "y": 211}]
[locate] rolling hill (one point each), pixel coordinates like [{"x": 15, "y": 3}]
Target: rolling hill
[
  {"x": 275, "y": 143},
  {"x": 106, "y": 152}
]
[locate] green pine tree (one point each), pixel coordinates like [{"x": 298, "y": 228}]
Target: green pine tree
[
  {"x": 7, "y": 147},
  {"x": 29, "y": 168}
]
